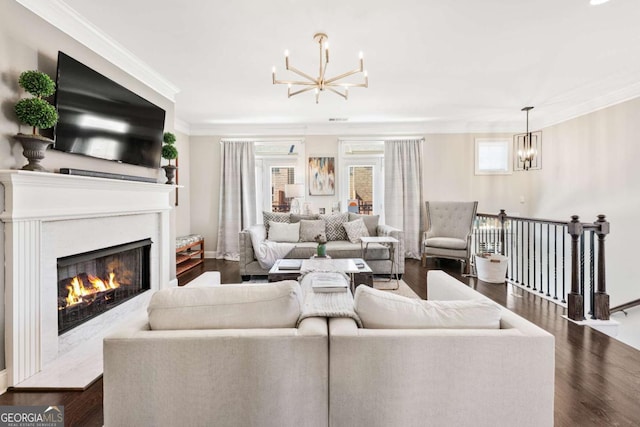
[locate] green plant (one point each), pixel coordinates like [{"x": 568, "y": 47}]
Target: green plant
[
  {"x": 169, "y": 151},
  {"x": 36, "y": 112}
]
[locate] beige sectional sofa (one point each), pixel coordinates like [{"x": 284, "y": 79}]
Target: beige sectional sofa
[
  {"x": 377, "y": 255},
  {"x": 323, "y": 372}
]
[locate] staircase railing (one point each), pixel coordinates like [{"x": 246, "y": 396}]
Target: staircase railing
[{"x": 557, "y": 260}]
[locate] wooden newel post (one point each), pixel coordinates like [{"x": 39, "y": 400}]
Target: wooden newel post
[
  {"x": 575, "y": 302},
  {"x": 601, "y": 299},
  {"x": 501, "y": 217}
]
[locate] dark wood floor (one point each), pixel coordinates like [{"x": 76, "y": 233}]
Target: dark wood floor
[{"x": 597, "y": 377}]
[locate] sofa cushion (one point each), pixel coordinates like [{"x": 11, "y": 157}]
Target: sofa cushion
[
  {"x": 297, "y": 217},
  {"x": 281, "y": 232},
  {"x": 310, "y": 229},
  {"x": 274, "y": 217},
  {"x": 355, "y": 230},
  {"x": 274, "y": 305},
  {"x": 445, "y": 243},
  {"x": 371, "y": 221},
  {"x": 383, "y": 310},
  {"x": 335, "y": 230}
]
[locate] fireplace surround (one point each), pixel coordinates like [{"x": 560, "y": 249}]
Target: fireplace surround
[{"x": 45, "y": 217}]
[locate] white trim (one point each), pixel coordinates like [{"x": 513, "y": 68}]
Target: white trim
[
  {"x": 259, "y": 140},
  {"x": 211, "y": 254},
  {"x": 68, "y": 20},
  {"x": 4, "y": 381},
  {"x": 181, "y": 126},
  {"x": 173, "y": 283}
]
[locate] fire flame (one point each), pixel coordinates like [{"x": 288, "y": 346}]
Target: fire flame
[{"x": 77, "y": 289}]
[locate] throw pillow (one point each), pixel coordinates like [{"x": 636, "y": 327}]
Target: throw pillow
[
  {"x": 273, "y": 305},
  {"x": 355, "y": 230},
  {"x": 280, "y": 232},
  {"x": 383, "y": 310},
  {"x": 371, "y": 221},
  {"x": 274, "y": 217},
  {"x": 309, "y": 229},
  {"x": 298, "y": 217},
  {"x": 334, "y": 227}
]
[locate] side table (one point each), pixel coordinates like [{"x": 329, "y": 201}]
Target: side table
[{"x": 387, "y": 241}]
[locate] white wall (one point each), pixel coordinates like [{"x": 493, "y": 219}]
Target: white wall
[{"x": 590, "y": 167}]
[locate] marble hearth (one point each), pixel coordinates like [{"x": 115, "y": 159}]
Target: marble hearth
[{"x": 47, "y": 216}]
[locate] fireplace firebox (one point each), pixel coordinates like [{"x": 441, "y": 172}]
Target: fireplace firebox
[{"x": 93, "y": 282}]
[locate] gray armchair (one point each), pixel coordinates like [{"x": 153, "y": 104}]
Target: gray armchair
[{"x": 449, "y": 228}]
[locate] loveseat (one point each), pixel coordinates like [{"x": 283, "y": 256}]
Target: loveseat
[
  {"x": 377, "y": 255},
  {"x": 247, "y": 363}
]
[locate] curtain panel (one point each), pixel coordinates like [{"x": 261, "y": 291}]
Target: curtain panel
[
  {"x": 237, "y": 196},
  {"x": 403, "y": 191}
]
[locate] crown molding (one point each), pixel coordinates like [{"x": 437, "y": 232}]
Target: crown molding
[
  {"x": 181, "y": 126},
  {"x": 66, "y": 19}
]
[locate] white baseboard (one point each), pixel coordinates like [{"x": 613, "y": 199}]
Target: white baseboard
[
  {"x": 4, "y": 381},
  {"x": 211, "y": 254},
  {"x": 173, "y": 283}
]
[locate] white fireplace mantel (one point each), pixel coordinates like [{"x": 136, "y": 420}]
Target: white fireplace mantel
[{"x": 46, "y": 215}]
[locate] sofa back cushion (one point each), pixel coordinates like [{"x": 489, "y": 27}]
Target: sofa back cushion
[
  {"x": 274, "y": 305},
  {"x": 383, "y": 310},
  {"x": 355, "y": 230},
  {"x": 281, "y": 232}
]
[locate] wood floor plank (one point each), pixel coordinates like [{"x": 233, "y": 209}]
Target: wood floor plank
[{"x": 597, "y": 377}]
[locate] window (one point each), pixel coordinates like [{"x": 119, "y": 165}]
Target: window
[
  {"x": 277, "y": 164},
  {"x": 493, "y": 156},
  {"x": 362, "y": 190}
]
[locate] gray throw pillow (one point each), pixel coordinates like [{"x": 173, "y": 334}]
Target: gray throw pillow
[
  {"x": 355, "y": 230},
  {"x": 309, "y": 229},
  {"x": 335, "y": 230},
  {"x": 371, "y": 221}
]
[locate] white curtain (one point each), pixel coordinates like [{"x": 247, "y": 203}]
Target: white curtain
[
  {"x": 403, "y": 190},
  {"x": 237, "y": 196}
]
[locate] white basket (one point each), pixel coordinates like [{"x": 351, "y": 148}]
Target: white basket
[{"x": 492, "y": 269}]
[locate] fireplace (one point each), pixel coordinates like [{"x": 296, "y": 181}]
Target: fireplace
[{"x": 92, "y": 283}]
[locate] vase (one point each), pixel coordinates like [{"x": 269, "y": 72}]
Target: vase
[
  {"x": 33, "y": 149},
  {"x": 170, "y": 171},
  {"x": 322, "y": 250}
]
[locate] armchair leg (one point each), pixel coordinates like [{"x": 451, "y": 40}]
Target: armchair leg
[{"x": 424, "y": 260}]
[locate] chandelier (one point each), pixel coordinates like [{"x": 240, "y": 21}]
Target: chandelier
[
  {"x": 527, "y": 145},
  {"x": 320, "y": 83}
]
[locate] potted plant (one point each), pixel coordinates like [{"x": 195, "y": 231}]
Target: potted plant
[
  {"x": 37, "y": 113},
  {"x": 169, "y": 152},
  {"x": 321, "y": 250}
]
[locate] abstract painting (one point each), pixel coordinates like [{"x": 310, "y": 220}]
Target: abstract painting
[{"x": 322, "y": 176}]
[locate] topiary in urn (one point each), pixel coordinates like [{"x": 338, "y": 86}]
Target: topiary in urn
[
  {"x": 169, "y": 152},
  {"x": 37, "y": 113}
]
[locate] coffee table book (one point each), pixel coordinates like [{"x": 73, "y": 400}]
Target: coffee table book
[{"x": 320, "y": 284}]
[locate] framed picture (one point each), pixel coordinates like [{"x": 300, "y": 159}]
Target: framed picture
[{"x": 322, "y": 176}]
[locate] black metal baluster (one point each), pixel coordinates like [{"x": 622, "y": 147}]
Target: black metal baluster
[
  {"x": 534, "y": 257},
  {"x": 528, "y": 255},
  {"x": 564, "y": 269},
  {"x": 582, "y": 264},
  {"x": 548, "y": 251},
  {"x": 592, "y": 274},
  {"x": 555, "y": 261}
]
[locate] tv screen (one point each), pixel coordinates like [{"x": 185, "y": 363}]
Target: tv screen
[{"x": 100, "y": 118}]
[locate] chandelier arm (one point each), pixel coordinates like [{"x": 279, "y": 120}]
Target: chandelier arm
[
  {"x": 302, "y": 74},
  {"x": 294, "y": 82},
  {"x": 307, "y": 89},
  {"x": 344, "y": 95},
  {"x": 342, "y": 76},
  {"x": 345, "y": 85}
]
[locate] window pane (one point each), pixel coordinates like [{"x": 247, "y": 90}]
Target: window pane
[
  {"x": 361, "y": 189},
  {"x": 279, "y": 177}
]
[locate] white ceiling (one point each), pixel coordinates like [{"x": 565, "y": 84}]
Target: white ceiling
[{"x": 434, "y": 65}]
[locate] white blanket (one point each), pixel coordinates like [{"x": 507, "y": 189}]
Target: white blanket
[
  {"x": 267, "y": 252},
  {"x": 327, "y": 304}
]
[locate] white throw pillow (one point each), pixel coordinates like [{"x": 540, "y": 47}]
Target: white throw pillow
[
  {"x": 273, "y": 305},
  {"x": 383, "y": 310},
  {"x": 281, "y": 232},
  {"x": 355, "y": 230}
]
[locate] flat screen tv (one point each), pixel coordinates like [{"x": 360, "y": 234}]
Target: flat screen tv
[{"x": 100, "y": 118}]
